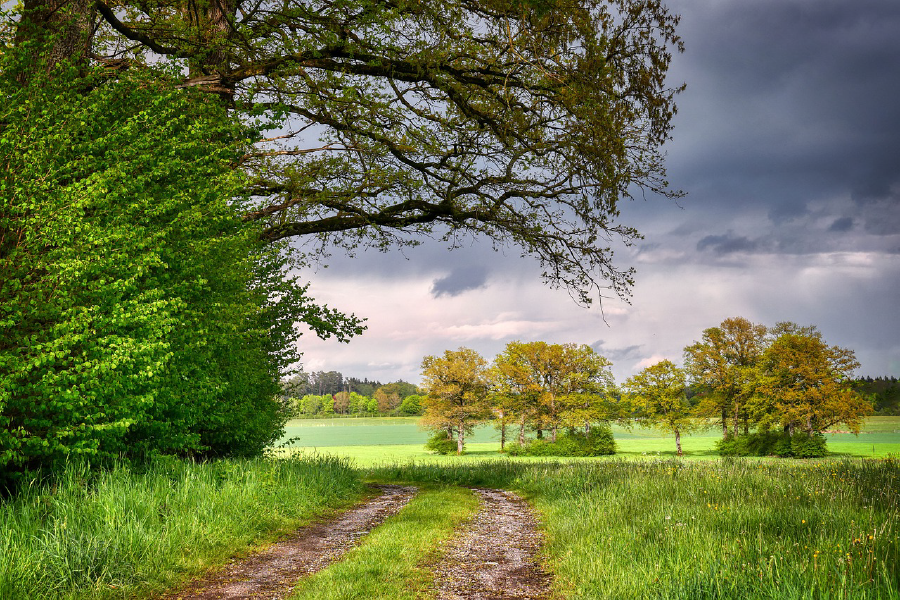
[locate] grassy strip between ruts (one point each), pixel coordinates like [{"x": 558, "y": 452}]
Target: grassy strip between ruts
[
  {"x": 392, "y": 562},
  {"x": 118, "y": 533},
  {"x": 705, "y": 529}
]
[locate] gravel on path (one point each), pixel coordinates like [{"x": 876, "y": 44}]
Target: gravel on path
[{"x": 495, "y": 556}]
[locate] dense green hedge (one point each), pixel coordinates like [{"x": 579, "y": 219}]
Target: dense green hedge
[
  {"x": 598, "y": 442},
  {"x": 770, "y": 443},
  {"x": 441, "y": 444}
]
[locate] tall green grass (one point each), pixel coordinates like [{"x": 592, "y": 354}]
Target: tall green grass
[
  {"x": 120, "y": 532},
  {"x": 723, "y": 529}
]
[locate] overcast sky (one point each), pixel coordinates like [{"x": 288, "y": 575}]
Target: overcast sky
[{"x": 787, "y": 142}]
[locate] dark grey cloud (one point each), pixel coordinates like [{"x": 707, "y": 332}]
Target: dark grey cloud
[
  {"x": 788, "y": 102},
  {"x": 727, "y": 244},
  {"x": 617, "y": 354},
  {"x": 460, "y": 280},
  {"x": 842, "y": 224},
  {"x": 882, "y": 218}
]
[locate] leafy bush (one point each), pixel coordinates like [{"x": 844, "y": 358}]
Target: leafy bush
[
  {"x": 138, "y": 314},
  {"x": 808, "y": 446},
  {"x": 771, "y": 443},
  {"x": 441, "y": 444},
  {"x": 599, "y": 442}
]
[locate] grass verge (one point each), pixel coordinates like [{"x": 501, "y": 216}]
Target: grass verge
[
  {"x": 121, "y": 533},
  {"x": 698, "y": 530},
  {"x": 392, "y": 562}
]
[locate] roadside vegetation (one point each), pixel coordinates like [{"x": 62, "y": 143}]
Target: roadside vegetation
[
  {"x": 642, "y": 527},
  {"x": 714, "y": 529},
  {"x": 120, "y": 531}
]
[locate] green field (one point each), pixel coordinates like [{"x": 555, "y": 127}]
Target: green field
[{"x": 370, "y": 441}]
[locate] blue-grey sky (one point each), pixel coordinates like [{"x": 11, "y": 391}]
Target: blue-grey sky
[{"x": 787, "y": 142}]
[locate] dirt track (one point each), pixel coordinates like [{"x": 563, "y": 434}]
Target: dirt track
[
  {"x": 495, "y": 556},
  {"x": 492, "y": 557},
  {"x": 273, "y": 573}
]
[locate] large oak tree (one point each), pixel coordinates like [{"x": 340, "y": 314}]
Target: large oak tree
[
  {"x": 722, "y": 365},
  {"x": 658, "y": 399},
  {"x": 525, "y": 121},
  {"x": 457, "y": 386},
  {"x": 805, "y": 384}
]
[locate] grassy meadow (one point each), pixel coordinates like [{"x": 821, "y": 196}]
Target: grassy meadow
[
  {"x": 638, "y": 525},
  {"x": 671, "y": 529}
]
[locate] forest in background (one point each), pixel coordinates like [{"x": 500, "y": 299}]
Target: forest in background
[{"x": 328, "y": 394}]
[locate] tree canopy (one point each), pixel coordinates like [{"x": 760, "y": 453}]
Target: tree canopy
[
  {"x": 554, "y": 385},
  {"x": 722, "y": 365},
  {"x": 805, "y": 384},
  {"x": 457, "y": 386},
  {"x": 657, "y": 397},
  {"x": 525, "y": 121},
  {"x": 137, "y": 313}
]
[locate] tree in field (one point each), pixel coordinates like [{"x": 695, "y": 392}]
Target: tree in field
[
  {"x": 721, "y": 365},
  {"x": 554, "y": 385},
  {"x": 457, "y": 385},
  {"x": 589, "y": 394},
  {"x": 657, "y": 398},
  {"x": 522, "y": 121},
  {"x": 804, "y": 384},
  {"x": 516, "y": 388}
]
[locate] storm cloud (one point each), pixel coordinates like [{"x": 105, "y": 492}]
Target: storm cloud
[
  {"x": 460, "y": 280},
  {"x": 787, "y": 143}
]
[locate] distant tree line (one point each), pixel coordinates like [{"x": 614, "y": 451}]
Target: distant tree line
[
  {"x": 884, "y": 392},
  {"x": 772, "y": 390},
  {"x": 324, "y": 394}
]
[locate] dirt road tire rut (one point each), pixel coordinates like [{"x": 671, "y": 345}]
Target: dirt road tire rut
[
  {"x": 496, "y": 556},
  {"x": 272, "y": 573}
]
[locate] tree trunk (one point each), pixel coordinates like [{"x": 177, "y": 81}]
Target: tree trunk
[
  {"x": 460, "y": 438},
  {"x": 502, "y": 432},
  {"x": 540, "y": 433},
  {"x": 211, "y": 21},
  {"x": 69, "y": 21},
  {"x": 522, "y": 431},
  {"x": 553, "y": 416},
  {"x": 678, "y": 441},
  {"x": 724, "y": 424}
]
